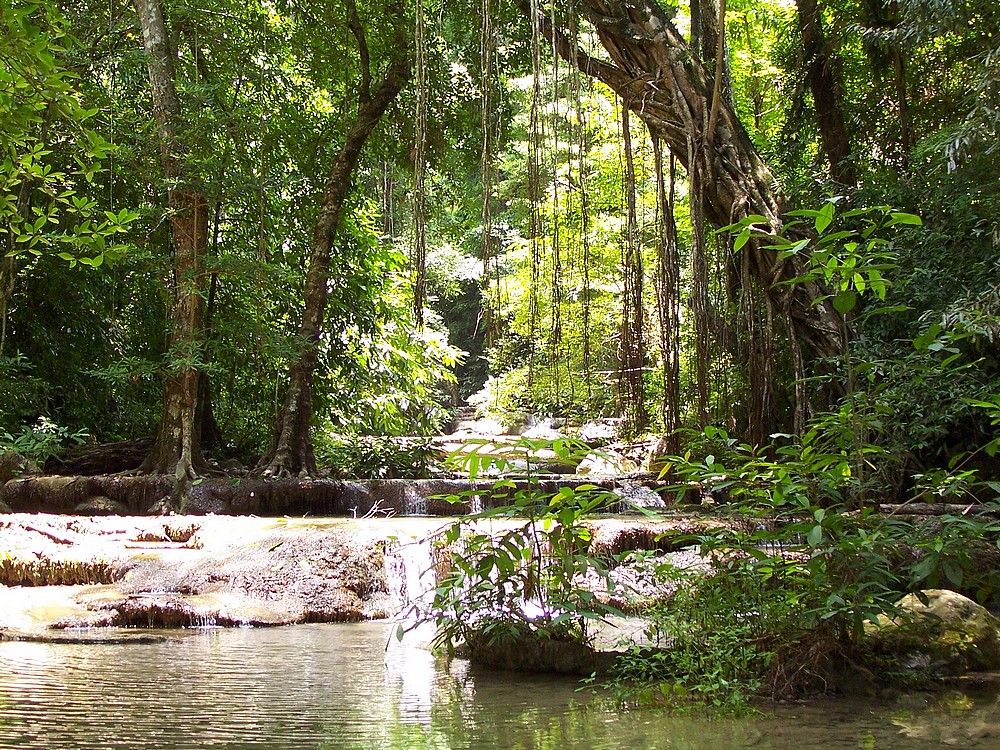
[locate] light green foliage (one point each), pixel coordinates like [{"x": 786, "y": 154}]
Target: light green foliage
[
  {"x": 793, "y": 579},
  {"x": 849, "y": 255},
  {"x": 41, "y": 441},
  {"x": 385, "y": 375},
  {"x": 375, "y": 457},
  {"x": 795, "y": 550},
  {"x": 713, "y": 638},
  {"x": 519, "y": 569},
  {"x": 47, "y": 201}
]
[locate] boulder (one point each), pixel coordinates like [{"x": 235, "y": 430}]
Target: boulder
[
  {"x": 100, "y": 505},
  {"x": 534, "y": 653},
  {"x": 14, "y": 465},
  {"x": 607, "y": 462},
  {"x": 940, "y": 631},
  {"x": 599, "y": 432}
]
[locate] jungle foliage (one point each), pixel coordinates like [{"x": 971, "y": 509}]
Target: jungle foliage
[
  {"x": 286, "y": 232},
  {"x": 568, "y": 249}
]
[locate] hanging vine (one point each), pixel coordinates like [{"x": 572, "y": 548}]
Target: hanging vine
[
  {"x": 668, "y": 294},
  {"x": 419, "y": 259},
  {"x": 699, "y": 285},
  {"x": 486, "y": 44},
  {"x": 632, "y": 345},
  {"x": 582, "y": 176},
  {"x": 534, "y": 183},
  {"x": 555, "y": 333}
]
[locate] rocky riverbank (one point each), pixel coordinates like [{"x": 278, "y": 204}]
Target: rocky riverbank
[
  {"x": 62, "y": 572},
  {"x": 65, "y": 572}
]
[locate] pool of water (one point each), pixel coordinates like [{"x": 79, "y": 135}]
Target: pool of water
[{"x": 338, "y": 686}]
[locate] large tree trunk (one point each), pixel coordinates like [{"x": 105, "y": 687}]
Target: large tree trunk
[
  {"x": 177, "y": 450},
  {"x": 824, "y": 82},
  {"x": 653, "y": 69},
  {"x": 290, "y": 451}
]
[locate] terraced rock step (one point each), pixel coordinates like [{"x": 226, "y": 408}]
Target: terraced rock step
[{"x": 151, "y": 495}]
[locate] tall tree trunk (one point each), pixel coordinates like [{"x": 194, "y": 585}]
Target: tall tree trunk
[
  {"x": 651, "y": 66},
  {"x": 822, "y": 71},
  {"x": 177, "y": 449},
  {"x": 902, "y": 103},
  {"x": 291, "y": 451}
]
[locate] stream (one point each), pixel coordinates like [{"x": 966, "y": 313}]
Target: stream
[{"x": 337, "y": 686}]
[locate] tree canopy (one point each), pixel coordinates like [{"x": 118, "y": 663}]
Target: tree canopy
[{"x": 249, "y": 227}]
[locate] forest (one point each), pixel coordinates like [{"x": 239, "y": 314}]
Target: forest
[
  {"x": 255, "y": 229},
  {"x": 287, "y": 240}
]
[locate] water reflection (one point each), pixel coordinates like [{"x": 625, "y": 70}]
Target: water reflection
[{"x": 334, "y": 686}]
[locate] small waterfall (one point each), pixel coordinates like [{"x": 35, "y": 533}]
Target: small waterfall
[
  {"x": 414, "y": 503},
  {"x": 203, "y": 621},
  {"x": 638, "y": 496},
  {"x": 410, "y": 573}
]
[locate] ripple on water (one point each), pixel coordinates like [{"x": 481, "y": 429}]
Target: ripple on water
[{"x": 336, "y": 686}]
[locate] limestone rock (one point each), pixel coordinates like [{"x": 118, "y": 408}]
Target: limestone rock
[
  {"x": 14, "y": 465},
  {"x": 948, "y": 635},
  {"x": 657, "y": 457},
  {"x": 530, "y": 652},
  {"x": 603, "y": 431},
  {"x": 100, "y": 505},
  {"x": 607, "y": 462}
]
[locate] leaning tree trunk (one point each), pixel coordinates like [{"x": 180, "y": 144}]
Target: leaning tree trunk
[
  {"x": 652, "y": 67},
  {"x": 177, "y": 449},
  {"x": 290, "y": 451}
]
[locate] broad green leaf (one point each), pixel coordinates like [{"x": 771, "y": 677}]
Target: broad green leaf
[
  {"x": 824, "y": 218},
  {"x": 898, "y": 217},
  {"x": 741, "y": 239},
  {"x": 845, "y": 301}
]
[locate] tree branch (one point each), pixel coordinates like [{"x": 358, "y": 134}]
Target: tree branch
[{"x": 354, "y": 23}]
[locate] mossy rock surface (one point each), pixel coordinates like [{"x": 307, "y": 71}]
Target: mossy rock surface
[
  {"x": 942, "y": 632},
  {"x": 534, "y": 653}
]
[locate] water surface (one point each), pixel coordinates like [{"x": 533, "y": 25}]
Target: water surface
[{"x": 336, "y": 686}]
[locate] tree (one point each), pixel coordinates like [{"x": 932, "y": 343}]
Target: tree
[
  {"x": 291, "y": 451},
  {"x": 653, "y": 70},
  {"x": 822, "y": 72},
  {"x": 177, "y": 449},
  {"x": 46, "y": 186}
]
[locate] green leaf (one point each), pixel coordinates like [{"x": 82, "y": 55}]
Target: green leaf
[
  {"x": 741, "y": 239},
  {"x": 825, "y": 217},
  {"x": 898, "y": 217},
  {"x": 845, "y": 301},
  {"x": 815, "y": 535},
  {"x": 953, "y": 572}
]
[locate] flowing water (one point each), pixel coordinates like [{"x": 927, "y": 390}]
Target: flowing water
[{"x": 336, "y": 686}]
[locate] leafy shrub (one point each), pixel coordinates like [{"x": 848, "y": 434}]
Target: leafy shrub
[
  {"x": 517, "y": 570},
  {"x": 41, "y": 440},
  {"x": 372, "y": 457}
]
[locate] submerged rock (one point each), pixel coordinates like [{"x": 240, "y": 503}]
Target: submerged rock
[
  {"x": 530, "y": 652},
  {"x": 186, "y": 571},
  {"x": 942, "y": 632}
]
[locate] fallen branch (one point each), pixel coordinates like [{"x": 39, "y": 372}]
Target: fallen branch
[{"x": 49, "y": 534}]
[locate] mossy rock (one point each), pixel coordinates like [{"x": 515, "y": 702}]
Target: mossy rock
[
  {"x": 535, "y": 653},
  {"x": 940, "y": 631},
  {"x": 14, "y": 465}
]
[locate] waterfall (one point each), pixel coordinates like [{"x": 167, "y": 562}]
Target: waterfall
[{"x": 410, "y": 573}]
